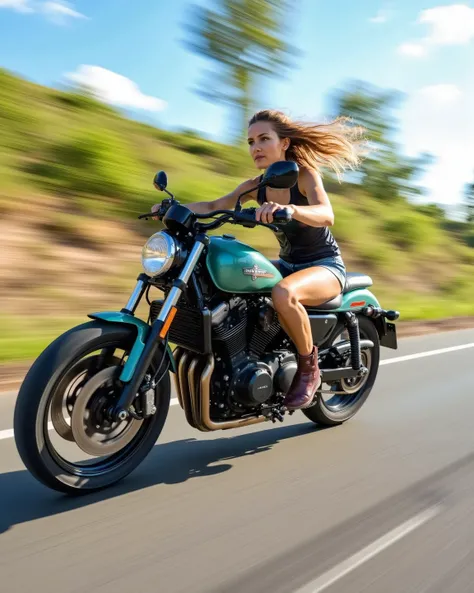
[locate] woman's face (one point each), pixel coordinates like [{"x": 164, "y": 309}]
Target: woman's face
[{"x": 264, "y": 144}]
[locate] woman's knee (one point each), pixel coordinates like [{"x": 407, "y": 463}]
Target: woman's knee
[{"x": 284, "y": 295}]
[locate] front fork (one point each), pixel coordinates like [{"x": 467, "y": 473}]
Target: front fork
[
  {"x": 136, "y": 295},
  {"x": 158, "y": 329}
]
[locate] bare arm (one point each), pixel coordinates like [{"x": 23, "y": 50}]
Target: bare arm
[
  {"x": 319, "y": 212},
  {"x": 226, "y": 202}
]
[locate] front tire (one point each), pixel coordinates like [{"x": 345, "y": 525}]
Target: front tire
[
  {"x": 341, "y": 408},
  {"x": 33, "y": 435}
]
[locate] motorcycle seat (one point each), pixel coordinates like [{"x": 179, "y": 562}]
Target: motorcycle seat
[
  {"x": 334, "y": 303},
  {"x": 354, "y": 280}
]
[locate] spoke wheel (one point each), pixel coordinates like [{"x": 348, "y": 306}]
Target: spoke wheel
[
  {"x": 338, "y": 402},
  {"x": 101, "y": 452}
]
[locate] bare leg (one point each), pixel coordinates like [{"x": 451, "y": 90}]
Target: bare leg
[
  {"x": 281, "y": 320},
  {"x": 311, "y": 286}
]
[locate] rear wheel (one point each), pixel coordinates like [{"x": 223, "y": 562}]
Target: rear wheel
[
  {"x": 338, "y": 402},
  {"x": 62, "y": 430}
]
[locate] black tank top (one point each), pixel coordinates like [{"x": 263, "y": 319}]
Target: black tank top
[{"x": 299, "y": 242}]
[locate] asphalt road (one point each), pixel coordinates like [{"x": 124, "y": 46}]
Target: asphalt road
[{"x": 381, "y": 504}]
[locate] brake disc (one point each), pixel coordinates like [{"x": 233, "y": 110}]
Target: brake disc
[
  {"x": 93, "y": 432},
  {"x": 66, "y": 394}
]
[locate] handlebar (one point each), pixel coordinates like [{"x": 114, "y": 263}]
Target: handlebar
[
  {"x": 162, "y": 210},
  {"x": 282, "y": 216},
  {"x": 248, "y": 215},
  {"x": 244, "y": 217}
]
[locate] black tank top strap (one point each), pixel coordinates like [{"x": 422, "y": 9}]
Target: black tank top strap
[
  {"x": 299, "y": 242},
  {"x": 261, "y": 193},
  {"x": 296, "y": 197}
]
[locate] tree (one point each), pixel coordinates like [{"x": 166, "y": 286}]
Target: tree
[
  {"x": 385, "y": 173},
  {"x": 469, "y": 202},
  {"x": 243, "y": 38}
]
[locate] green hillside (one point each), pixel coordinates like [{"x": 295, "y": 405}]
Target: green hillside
[{"x": 74, "y": 175}]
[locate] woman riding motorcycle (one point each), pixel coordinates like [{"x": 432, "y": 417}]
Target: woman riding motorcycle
[{"x": 310, "y": 259}]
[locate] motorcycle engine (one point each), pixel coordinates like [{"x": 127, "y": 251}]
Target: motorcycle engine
[{"x": 253, "y": 360}]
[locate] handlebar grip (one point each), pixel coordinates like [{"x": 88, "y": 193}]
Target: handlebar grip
[
  {"x": 246, "y": 217},
  {"x": 282, "y": 215}
]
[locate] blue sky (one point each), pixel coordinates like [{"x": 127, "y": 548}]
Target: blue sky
[{"x": 131, "y": 51}]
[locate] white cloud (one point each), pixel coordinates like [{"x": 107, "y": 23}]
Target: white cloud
[
  {"x": 18, "y": 5},
  {"x": 440, "y": 94},
  {"x": 416, "y": 50},
  {"x": 60, "y": 10},
  {"x": 448, "y": 25},
  {"x": 447, "y": 177},
  {"x": 438, "y": 120},
  {"x": 114, "y": 88}
]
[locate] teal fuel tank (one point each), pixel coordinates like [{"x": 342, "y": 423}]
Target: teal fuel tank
[{"x": 237, "y": 267}]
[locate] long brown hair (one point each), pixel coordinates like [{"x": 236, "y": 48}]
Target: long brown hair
[{"x": 335, "y": 144}]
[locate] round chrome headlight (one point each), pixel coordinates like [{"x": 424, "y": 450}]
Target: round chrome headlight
[{"x": 158, "y": 254}]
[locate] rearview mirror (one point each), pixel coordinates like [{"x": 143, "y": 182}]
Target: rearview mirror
[
  {"x": 281, "y": 175},
  {"x": 161, "y": 180}
]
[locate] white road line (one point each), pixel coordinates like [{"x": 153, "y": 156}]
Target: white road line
[
  {"x": 424, "y": 354},
  {"x": 8, "y": 434},
  {"x": 338, "y": 572}
]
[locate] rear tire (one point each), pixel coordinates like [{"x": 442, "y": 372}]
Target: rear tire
[
  {"x": 321, "y": 413},
  {"x": 33, "y": 402}
]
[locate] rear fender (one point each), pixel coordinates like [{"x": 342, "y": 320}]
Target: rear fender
[
  {"x": 142, "y": 330},
  {"x": 356, "y": 301}
]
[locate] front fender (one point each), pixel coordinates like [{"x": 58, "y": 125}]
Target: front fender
[{"x": 142, "y": 329}]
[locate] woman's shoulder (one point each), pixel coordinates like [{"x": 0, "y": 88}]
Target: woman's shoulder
[
  {"x": 307, "y": 178},
  {"x": 308, "y": 174},
  {"x": 253, "y": 181},
  {"x": 248, "y": 185}
]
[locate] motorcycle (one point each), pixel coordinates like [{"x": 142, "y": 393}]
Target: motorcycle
[{"x": 105, "y": 386}]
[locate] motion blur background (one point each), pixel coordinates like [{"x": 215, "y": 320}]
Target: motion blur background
[{"x": 95, "y": 97}]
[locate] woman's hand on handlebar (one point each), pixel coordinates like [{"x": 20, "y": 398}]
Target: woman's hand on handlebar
[
  {"x": 155, "y": 208},
  {"x": 265, "y": 213}
]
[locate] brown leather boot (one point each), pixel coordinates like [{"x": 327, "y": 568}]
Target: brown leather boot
[{"x": 305, "y": 382}]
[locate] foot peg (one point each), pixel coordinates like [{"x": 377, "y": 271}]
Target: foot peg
[{"x": 275, "y": 413}]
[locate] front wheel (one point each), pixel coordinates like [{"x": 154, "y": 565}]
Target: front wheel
[
  {"x": 61, "y": 411},
  {"x": 339, "y": 402}
]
